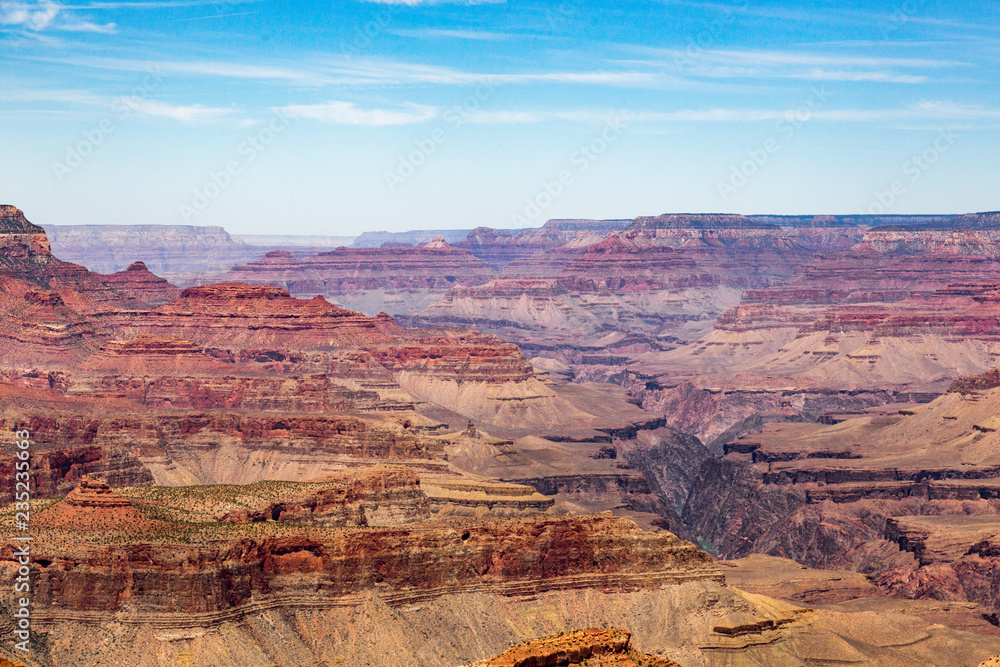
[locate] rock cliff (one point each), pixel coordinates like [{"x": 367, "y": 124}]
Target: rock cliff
[{"x": 910, "y": 496}]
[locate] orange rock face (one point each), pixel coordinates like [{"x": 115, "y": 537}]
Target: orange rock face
[{"x": 593, "y": 647}]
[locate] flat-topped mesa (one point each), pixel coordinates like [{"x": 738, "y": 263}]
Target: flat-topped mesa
[
  {"x": 699, "y": 221},
  {"x": 238, "y": 317},
  {"x": 462, "y": 355},
  {"x": 941, "y": 242},
  {"x": 901, "y": 307},
  {"x": 376, "y": 496},
  {"x": 737, "y": 221},
  {"x": 975, "y": 221},
  {"x": 593, "y": 647},
  {"x": 434, "y": 265},
  {"x": 618, "y": 263}
]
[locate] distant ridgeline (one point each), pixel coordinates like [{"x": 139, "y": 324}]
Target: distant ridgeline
[{"x": 881, "y": 222}]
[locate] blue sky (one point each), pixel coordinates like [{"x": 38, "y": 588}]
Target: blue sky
[{"x": 339, "y": 117}]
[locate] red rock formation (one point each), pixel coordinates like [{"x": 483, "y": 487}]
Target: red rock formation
[
  {"x": 25, "y": 254},
  {"x": 43, "y": 328},
  {"x": 55, "y": 472},
  {"x": 618, "y": 263},
  {"x": 93, "y": 506},
  {"x": 143, "y": 288},
  {"x": 234, "y": 316},
  {"x": 511, "y": 557},
  {"x": 394, "y": 495},
  {"x": 595, "y": 647}
]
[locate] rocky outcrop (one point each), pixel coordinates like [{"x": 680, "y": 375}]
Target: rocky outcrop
[
  {"x": 971, "y": 384},
  {"x": 25, "y": 254},
  {"x": 596, "y": 647},
  {"x": 899, "y": 308},
  {"x": 93, "y": 506},
  {"x": 372, "y": 497},
  {"x": 508, "y": 557},
  {"x": 140, "y": 288},
  {"x": 56, "y": 472}
]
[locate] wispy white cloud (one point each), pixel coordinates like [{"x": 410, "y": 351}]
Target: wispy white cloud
[
  {"x": 87, "y": 26},
  {"x": 776, "y": 64},
  {"x": 65, "y": 96},
  {"x": 203, "y": 68},
  {"x": 348, "y": 113},
  {"x": 155, "y": 4},
  {"x": 47, "y": 15},
  {"x": 184, "y": 113},
  {"x": 30, "y": 15},
  {"x": 431, "y": 33},
  {"x": 783, "y": 58},
  {"x": 843, "y": 75},
  {"x": 191, "y": 114},
  {"x": 940, "y": 111},
  {"x": 420, "y": 3},
  {"x": 338, "y": 71}
]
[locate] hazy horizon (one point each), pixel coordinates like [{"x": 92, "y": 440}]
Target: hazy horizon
[{"x": 451, "y": 114}]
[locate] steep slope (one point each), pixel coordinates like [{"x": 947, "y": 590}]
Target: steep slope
[{"x": 910, "y": 497}]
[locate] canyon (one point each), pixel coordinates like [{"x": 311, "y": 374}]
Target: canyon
[{"x": 778, "y": 433}]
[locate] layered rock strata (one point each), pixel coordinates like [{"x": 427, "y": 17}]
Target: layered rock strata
[
  {"x": 909, "y": 497},
  {"x": 507, "y": 557}
]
